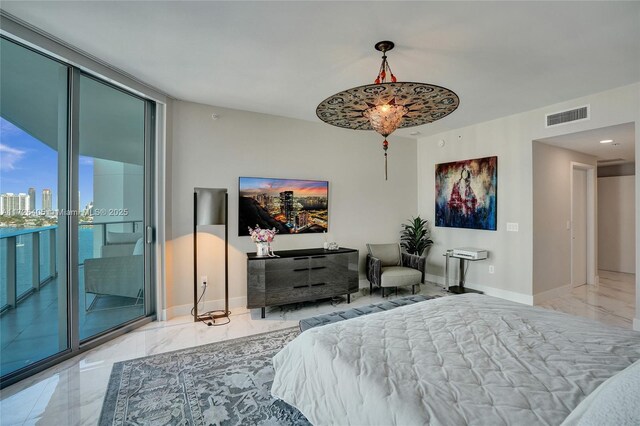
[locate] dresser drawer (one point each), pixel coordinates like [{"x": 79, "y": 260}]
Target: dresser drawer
[
  {"x": 286, "y": 264},
  {"x": 286, "y": 278},
  {"x": 293, "y": 295},
  {"x": 331, "y": 260}
]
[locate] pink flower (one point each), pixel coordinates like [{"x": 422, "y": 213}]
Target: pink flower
[{"x": 259, "y": 235}]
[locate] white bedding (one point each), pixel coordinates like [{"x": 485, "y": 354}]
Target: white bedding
[{"x": 465, "y": 359}]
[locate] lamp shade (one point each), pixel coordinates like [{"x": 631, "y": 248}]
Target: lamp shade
[
  {"x": 386, "y": 118},
  {"x": 211, "y": 206}
]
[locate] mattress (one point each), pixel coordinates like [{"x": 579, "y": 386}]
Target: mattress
[{"x": 465, "y": 359}]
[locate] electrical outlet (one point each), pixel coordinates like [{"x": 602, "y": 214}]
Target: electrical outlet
[
  {"x": 491, "y": 269},
  {"x": 204, "y": 280}
]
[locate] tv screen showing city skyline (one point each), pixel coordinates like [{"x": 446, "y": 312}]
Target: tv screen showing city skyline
[{"x": 291, "y": 206}]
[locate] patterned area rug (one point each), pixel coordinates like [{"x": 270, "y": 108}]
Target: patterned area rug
[{"x": 225, "y": 383}]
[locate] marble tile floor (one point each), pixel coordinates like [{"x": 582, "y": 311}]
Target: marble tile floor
[
  {"x": 612, "y": 301},
  {"x": 72, "y": 392}
]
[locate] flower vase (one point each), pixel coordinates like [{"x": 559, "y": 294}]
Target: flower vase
[{"x": 262, "y": 249}]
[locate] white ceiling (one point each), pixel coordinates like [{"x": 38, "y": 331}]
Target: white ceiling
[
  {"x": 284, "y": 58},
  {"x": 588, "y": 142}
]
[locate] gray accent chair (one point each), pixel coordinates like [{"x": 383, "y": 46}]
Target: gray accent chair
[
  {"x": 118, "y": 272},
  {"x": 387, "y": 266},
  {"x": 114, "y": 276}
]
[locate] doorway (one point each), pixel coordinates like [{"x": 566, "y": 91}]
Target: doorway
[
  {"x": 582, "y": 224},
  {"x": 572, "y": 250}
]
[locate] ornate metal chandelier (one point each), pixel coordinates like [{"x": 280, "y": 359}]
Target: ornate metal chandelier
[{"x": 385, "y": 106}]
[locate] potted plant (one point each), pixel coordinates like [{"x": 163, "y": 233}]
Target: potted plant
[{"x": 415, "y": 236}]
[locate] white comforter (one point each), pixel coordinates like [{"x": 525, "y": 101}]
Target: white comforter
[{"x": 465, "y": 359}]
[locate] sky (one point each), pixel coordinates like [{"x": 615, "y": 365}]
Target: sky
[
  {"x": 300, "y": 188},
  {"x": 26, "y": 162}
]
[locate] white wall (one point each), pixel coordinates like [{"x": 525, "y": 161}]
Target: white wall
[
  {"x": 363, "y": 207},
  {"x": 616, "y": 224},
  {"x": 551, "y": 211},
  {"x": 510, "y": 138},
  {"x": 116, "y": 186}
]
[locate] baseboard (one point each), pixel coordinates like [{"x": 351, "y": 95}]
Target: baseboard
[
  {"x": 209, "y": 305},
  {"x": 636, "y": 324},
  {"x": 551, "y": 294},
  {"x": 489, "y": 291}
]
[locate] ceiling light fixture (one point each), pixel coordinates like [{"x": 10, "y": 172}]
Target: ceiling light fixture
[
  {"x": 385, "y": 106},
  {"x": 607, "y": 141}
]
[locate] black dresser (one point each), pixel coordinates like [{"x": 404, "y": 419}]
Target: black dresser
[{"x": 300, "y": 275}]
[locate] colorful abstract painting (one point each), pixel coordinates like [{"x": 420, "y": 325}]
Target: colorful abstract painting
[{"x": 466, "y": 194}]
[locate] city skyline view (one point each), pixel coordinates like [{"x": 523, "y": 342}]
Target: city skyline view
[
  {"x": 26, "y": 162},
  {"x": 288, "y": 205}
]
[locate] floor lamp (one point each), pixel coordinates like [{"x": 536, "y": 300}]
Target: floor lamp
[{"x": 210, "y": 207}]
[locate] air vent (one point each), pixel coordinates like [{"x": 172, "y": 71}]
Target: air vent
[{"x": 578, "y": 114}]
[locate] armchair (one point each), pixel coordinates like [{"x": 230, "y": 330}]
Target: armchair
[
  {"x": 387, "y": 266},
  {"x": 117, "y": 274}
]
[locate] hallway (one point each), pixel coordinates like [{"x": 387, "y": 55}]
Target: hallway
[{"x": 612, "y": 301}]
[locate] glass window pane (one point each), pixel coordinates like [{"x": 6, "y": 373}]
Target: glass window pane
[
  {"x": 24, "y": 260},
  {"x": 111, "y": 184},
  {"x": 3, "y": 277},
  {"x": 33, "y": 139}
]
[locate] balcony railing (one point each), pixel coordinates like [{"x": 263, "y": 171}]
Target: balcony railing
[{"x": 28, "y": 257}]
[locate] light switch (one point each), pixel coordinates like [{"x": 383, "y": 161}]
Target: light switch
[{"x": 512, "y": 227}]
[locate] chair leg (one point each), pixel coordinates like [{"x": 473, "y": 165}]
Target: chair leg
[
  {"x": 370, "y": 288},
  {"x": 396, "y": 291},
  {"x": 413, "y": 289},
  {"x": 382, "y": 290}
]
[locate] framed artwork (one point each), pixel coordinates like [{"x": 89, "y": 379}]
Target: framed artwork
[
  {"x": 467, "y": 194},
  {"x": 291, "y": 206}
]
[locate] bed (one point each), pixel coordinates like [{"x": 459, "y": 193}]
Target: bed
[{"x": 465, "y": 359}]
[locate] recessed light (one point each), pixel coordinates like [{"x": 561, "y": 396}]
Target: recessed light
[
  {"x": 415, "y": 133},
  {"x": 607, "y": 141}
]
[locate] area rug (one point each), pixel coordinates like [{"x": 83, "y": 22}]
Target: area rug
[{"x": 225, "y": 383}]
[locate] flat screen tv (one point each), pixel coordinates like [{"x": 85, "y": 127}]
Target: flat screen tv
[{"x": 291, "y": 206}]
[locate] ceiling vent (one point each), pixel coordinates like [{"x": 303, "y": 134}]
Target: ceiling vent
[{"x": 570, "y": 116}]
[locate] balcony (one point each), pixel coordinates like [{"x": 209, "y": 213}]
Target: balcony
[{"x": 33, "y": 305}]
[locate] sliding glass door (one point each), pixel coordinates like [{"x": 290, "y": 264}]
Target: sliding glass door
[
  {"x": 111, "y": 193},
  {"x": 76, "y": 214},
  {"x": 33, "y": 153}
]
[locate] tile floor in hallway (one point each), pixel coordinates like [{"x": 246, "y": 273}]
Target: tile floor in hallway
[
  {"x": 611, "y": 302},
  {"x": 72, "y": 392}
]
